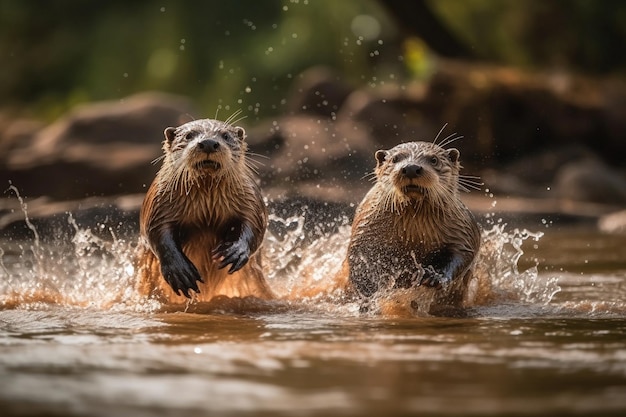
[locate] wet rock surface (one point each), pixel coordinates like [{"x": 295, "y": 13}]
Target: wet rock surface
[
  {"x": 549, "y": 136},
  {"x": 96, "y": 150}
]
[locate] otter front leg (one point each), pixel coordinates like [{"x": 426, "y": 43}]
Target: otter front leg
[
  {"x": 367, "y": 271},
  {"x": 176, "y": 268},
  {"x": 237, "y": 247},
  {"x": 445, "y": 268}
]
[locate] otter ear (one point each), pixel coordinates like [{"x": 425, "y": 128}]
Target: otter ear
[
  {"x": 170, "y": 134},
  {"x": 241, "y": 134},
  {"x": 380, "y": 157},
  {"x": 453, "y": 154}
]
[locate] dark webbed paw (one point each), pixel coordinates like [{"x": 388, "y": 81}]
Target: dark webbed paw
[
  {"x": 234, "y": 253},
  {"x": 432, "y": 278},
  {"x": 182, "y": 276}
]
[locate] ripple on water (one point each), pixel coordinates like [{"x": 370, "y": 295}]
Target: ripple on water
[{"x": 75, "y": 338}]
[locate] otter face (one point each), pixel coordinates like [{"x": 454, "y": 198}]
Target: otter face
[
  {"x": 418, "y": 170},
  {"x": 206, "y": 147}
]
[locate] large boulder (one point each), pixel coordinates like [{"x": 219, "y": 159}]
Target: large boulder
[
  {"x": 97, "y": 149},
  {"x": 521, "y": 129},
  {"x": 591, "y": 181},
  {"x": 309, "y": 149},
  {"x": 390, "y": 115},
  {"x": 507, "y": 113},
  {"x": 318, "y": 91}
]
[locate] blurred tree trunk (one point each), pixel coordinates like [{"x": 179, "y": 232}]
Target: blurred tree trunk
[{"x": 416, "y": 18}]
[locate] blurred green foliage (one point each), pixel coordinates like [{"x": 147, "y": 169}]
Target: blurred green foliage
[
  {"x": 224, "y": 54},
  {"x": 244, "y": 54},
  {"x": 583, "y": 35}
]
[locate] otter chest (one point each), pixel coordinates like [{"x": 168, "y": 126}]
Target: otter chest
[{"x": 407, "y": 232}]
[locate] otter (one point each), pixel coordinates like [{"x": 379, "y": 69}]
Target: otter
[
  {"x": 412, "y": 229},
  {"x": 203, "y": 218}
]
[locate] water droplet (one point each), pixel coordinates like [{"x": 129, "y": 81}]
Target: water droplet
[{"x": 129, "y": 270}]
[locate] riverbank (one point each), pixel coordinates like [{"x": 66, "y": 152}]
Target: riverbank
[{"x": 122, "y": 212}]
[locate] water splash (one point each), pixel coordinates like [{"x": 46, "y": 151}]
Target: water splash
[
  {"x": 94, "y": 268},
  {"x": 75, "y": 269},
  {"x": 497, "y": 268},
  {"x": 81, "y": 270},
  {"x": 298, "y": 267}
]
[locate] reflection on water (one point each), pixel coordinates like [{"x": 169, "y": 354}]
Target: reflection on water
[{"x": 75, "y": 338}]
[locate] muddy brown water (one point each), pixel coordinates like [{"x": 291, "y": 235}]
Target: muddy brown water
[{"x": 75, "y": 339}]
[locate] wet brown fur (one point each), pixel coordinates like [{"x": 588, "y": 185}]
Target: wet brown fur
[
  {"x": 200, "y": 203},
  {"x": 404, "y": 224}
]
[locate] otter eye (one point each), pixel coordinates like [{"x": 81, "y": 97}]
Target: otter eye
[
  {"x": 434, "y": 160},
  {"x": 225, "y": 136},
  {"x": 190, "y": 135}
]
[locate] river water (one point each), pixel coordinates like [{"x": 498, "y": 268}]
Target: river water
[{"x": 76, "y": 339}]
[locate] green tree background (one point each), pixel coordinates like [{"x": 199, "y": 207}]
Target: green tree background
[{"x": 245, "y": 54}]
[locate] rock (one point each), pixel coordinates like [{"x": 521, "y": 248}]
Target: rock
[
  {"x": 506, "y": 112},
  {"x": 17, "y": 134},
  {"x": 98, "y": 149},
  {"x": 541, "y": 167},
  {"x": 534, "y": 175},
  {"x": 318, "y": 91},
  {"x": 521, "y": 128},
  {"x": 590, "y": 181},
  {"x": 502, "y": 182},
  {"x": 103, "y": 215},
  {"x": 389, "y": 115},
  {"x": 304, "y": 148},
  {"x": 613, "y": 223}
]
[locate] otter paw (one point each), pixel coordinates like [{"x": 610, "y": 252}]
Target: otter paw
[
  {"x": 235, "y": 254},
  {"x": 432, "y": 278},
  {"x": 181, "y": 276}
]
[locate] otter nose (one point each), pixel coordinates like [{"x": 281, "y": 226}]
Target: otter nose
[
  {"x": 208, "y": 145},
  {"x": 412, "y": 171}
]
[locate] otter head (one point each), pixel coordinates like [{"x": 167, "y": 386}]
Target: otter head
[
  {"x": 205, "y": 148},
  {"x": 418, "y": 171}
]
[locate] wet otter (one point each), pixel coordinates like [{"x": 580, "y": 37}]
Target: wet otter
[
  {"x": 203, "y": 218},
  {"x": 411, "y": 229}
]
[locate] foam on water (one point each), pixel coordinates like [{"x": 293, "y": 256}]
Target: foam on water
[{"x": 94, "y": 268}]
